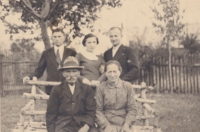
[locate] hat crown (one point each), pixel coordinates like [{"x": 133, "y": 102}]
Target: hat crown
[{"x": 70, "y": 61}]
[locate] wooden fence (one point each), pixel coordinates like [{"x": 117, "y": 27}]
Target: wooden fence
[{"x": 185, "y": 74}]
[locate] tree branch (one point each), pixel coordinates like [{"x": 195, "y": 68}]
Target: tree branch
[
  {"x": 45, "y": 9},
  {"x": 56, "y": 3},
  {"x": 29, "y": 6}
]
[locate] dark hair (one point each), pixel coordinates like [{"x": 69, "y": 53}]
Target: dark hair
[
  {"x": 89, "y": 36},
  {"x": 112, "y": 28},
  {"x": 113, "y": 62},
  {"x": 57, "y": 30}
]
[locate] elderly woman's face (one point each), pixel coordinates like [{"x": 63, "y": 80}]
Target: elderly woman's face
[
  {"x": 91, "y": 44},
  {"x": 113, "y": 72}
]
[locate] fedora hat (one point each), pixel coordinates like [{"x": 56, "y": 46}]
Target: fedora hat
[{"x": 71, "y": 63}]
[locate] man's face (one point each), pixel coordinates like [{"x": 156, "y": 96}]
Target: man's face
[
  {"x": 58, "y": 38},
  {"x": 115, "y": 37},
  {"x": 71, "y": 75}
]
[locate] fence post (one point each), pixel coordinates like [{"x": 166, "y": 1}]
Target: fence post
[{"x": 1, "y": 74}]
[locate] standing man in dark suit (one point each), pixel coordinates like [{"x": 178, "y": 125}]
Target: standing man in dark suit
[
  {"x": 52, "y": 59},
  {"x": 71, "y": 106},
  {"x": 123, "y": 54}
]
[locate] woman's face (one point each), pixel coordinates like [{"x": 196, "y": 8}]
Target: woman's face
[
  {"x": 113, "y": 72},
  {"x": 91, "y": 44}
]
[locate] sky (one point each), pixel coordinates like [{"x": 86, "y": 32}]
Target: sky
[{"x": 135, "y": 16}]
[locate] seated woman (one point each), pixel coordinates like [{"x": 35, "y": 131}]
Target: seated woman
[
  {"x": 116, "y": 107},
  {"x": 90, "y": 61}
]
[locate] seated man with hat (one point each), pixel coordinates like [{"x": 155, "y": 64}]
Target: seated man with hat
[{"x": 71, "y": 106}]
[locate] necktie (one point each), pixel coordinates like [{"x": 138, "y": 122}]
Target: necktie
[{"x": 58, "y": 59}]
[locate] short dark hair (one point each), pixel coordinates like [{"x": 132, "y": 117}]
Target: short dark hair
[
  {"x": 89, "y": 36},
  {"x": 58, "y": 30},
  {"x": 113, "y": 62},
  {"x": 112, "y": 28}
]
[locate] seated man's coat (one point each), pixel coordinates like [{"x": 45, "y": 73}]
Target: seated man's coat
[{"x": 64, "y": 107}]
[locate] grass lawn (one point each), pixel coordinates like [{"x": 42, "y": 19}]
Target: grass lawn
[{"x": 178, "y": 113}]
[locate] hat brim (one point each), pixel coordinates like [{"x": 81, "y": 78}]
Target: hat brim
[{"x": 71, "y": 67}]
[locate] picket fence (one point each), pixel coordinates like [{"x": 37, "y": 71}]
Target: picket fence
[{"x": 185, "y": 74}]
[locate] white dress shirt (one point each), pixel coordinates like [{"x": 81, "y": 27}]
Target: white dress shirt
[
  {"x": 61, "y": 50},
  {"x": 114, "y": 49},
  {"x": 72, "y": 88}
]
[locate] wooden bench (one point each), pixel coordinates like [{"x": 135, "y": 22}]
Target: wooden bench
[{"x": 32, "y": 126}]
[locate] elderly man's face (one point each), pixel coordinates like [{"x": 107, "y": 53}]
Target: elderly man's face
[
  {"x": 115, "y": 37},
  {"x": 71, "y": 75}
]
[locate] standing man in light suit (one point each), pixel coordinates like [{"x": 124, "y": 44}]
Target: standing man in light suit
[
  {"x": 123, "y": 54},
  {"x": 52, "y": 59}
]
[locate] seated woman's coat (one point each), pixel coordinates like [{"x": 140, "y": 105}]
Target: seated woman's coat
[{"x": 115, "y": 104}]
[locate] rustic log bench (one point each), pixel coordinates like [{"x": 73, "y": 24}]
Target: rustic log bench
[{"x": 32, "y": 126}]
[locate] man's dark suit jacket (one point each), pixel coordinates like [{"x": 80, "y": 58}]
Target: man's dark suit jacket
[
  {"x": 48, "y": 62},
  {"x": 64, "y": 107},
  {"x": 129, "y": 63}
]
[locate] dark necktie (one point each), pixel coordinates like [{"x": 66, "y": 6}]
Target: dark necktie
[{"x": 58, "y": 59}]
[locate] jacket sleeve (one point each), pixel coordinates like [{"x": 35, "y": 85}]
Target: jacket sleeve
[
  {"x": 101, "y": 119},
  {"x": 74, "y": 53},
  {"x": 131, "y": 106},
  {"x": 90, "y": 107},
  {"x": 52, "y": 109},
  {"x": 42, "y": 64},
  {"x": 132, "y": 66},
  {"x": 102, "y": 76}
]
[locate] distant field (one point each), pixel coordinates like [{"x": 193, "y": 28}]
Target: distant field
[{"x": 178, "y": 113}]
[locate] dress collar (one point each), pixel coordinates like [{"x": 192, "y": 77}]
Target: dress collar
[{"x": 118, "y": 84}]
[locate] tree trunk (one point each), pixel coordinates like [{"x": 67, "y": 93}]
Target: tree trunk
[
  {"x": 170, "y": 66},
  {"x": 45, "y": 37}
]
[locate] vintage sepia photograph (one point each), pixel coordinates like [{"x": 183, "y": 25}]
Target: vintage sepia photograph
[{"x": 100, "y": 65}]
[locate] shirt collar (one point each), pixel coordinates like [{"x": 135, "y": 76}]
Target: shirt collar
[
  {"x": 117, "y": 47},
  {"x": 116, "y": 85},
  {"x": 61, "y": 47},
  {"x": 71, "y": 86}
]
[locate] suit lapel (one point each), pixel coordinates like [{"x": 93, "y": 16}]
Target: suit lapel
[
  {"x": 65, "y": 55},
  {"x": 119, "y": 53},
  {"x": 52, "y": 57},
  {"x": 109, "y": 54},
  {"x": 76, "y": 90},
  {"x": 68, "y": 92}
]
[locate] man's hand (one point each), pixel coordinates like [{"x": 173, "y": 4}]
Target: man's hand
[
  {"x": 109, "y": 128},
  {"x": 86, "y": 81},
  {"x": 85, "y": 128},
  {"x": 94, "y": 83},
  {"x": 126, "y": 128},
  {"x": 26, "y": 79}
]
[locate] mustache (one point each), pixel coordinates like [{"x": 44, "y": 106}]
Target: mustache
[{"x": 70, "y": 78}]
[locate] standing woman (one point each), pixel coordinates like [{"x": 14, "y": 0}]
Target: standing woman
[
  {"x": 116, "y": 108},
  {"x": 92, "y": 62}
]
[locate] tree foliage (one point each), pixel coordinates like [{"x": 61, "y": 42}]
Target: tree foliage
[
  {"x": 48, "y": 13},
  {"x": 168, "y": 19},
  {"x": 169, "y": 25},
  {"x": 191, "y": 42}
]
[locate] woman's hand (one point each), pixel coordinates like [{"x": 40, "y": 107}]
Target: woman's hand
[
  {"x": 109, "y": 128},
  {"x": 86, "y": 81},
  {"x": 94, "y": 83},
  {"x": 101, "y": 69},
  {"x": 126, "y": 128}
]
